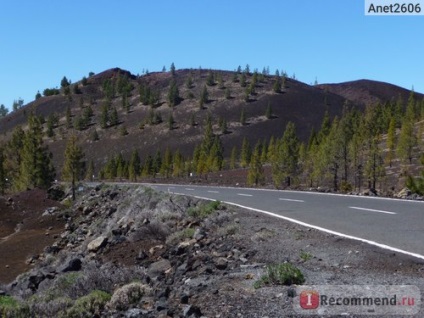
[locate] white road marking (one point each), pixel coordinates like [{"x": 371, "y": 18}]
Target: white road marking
[
  {"x": 213, "y": 191},
  {"x": 371, "y": 210},
  {"x": 384, "y": 246},
  {"x": 292, "y": 200},
  {"x": 189, "y": 189},
  {"x": 294, "y": 191},
  {"x": 245, "y": 195}
]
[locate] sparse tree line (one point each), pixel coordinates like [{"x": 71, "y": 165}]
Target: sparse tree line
[{"x": 347, "y": 153}]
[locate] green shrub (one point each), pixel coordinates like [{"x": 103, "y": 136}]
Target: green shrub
[
  {"x": 230, "y": 229},
  {"x": 89, "y": 305},
  {"x": 346, "y": 187},
  {"x": 180, "y": 236},
  {"x": 10, "y": 307},
  {"x": 416, "y": 185},
  {"x": 204, "y": 210},
  {"x": 305, "y": 256},
  {"x": 67, "y": 203},
  {"x": 280, "y": 274},
  {"x": 128, "y": 295}
]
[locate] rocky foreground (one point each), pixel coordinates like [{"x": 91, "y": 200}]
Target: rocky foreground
[{"x": 134, "y": 252}]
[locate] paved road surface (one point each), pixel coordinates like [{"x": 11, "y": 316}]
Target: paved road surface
[{"x": 394, "y": 224}]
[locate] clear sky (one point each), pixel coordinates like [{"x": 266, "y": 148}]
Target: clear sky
[{"x": 330, "y": 40}]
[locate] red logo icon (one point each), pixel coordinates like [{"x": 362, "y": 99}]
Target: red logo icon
[{"x": 309, "y": 299}]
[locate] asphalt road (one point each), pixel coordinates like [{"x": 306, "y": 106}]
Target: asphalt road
[{"x": 393, "y": 224}]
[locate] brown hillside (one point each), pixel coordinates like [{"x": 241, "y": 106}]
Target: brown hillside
[
  {"x": 367, "y": 92},
  {"x": 303, "y": 104}
]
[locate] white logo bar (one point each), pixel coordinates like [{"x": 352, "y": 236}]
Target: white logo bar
[
  {"x": 381, "y": 300},
  {"x": 394, "y": 7}
]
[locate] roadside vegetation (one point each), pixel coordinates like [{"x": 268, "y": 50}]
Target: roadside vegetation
[{"x": 348, "y": 153}]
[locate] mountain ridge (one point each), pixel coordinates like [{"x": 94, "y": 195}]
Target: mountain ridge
[{"x": 303, "y": 104}]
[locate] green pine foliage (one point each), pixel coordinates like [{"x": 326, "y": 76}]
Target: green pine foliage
[
  {"x": 416, "y": 185},
  {"x": 36, "y": 168},
  {"x": 89, "y": 175},
  {"x": 256, "y": 175},
  {"x": 3, "y": 175},
  {"x": 245, "y": 153},
  {"x": 407, "y": 137},
  {"x": 173, "y": 94},
  {"x": 73, "y": 164},
  {"x": 204, "y": 97},
  {"x": 285, "y": 160}
]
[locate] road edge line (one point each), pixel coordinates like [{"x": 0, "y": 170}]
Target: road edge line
[{"x": 380, "y": 245}]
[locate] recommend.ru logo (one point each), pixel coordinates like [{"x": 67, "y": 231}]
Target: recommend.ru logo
[{"x": 357, "y": 299}]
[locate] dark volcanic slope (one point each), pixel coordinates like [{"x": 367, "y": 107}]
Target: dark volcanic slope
[
  {"x": 303, "y": 104},
  {"x": 367, "y": 92}
]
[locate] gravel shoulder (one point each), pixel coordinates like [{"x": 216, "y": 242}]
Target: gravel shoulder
[{"x": 191, "y": 258}]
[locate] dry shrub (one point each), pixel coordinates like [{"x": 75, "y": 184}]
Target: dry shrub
[{"x": 126, "y": 296}]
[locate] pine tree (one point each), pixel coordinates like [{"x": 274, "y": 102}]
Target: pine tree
[
  {"x": 123, "y": 130},
  {"x": 89, "y": 175},
  {"x": 134, "y": 166},
  {"x": 407, "y": 138},
  {"x": 277, "y": 85},
  {"x": 50, "y": 125},
  {"x": 243, "y": 82},
  {"x": 224, "y": 126},
  {"x": 220, "y": 81},
  {"x": 210, "y": 80},
  {"x": 245, "y": 154},
  {"x": 73, "y": 165},
  {"x": 178, "y": 164},
  {"x": 233, "y": 158},
  {"x": 166, "y": 166},
  {"x": 331, "y": 153},
  {"x": 114, "y": 120},
  {"x": 416, "y": 185},
  {"x": 64, "y": 82},
  {"x": 157, "y": 161},
  {"x": 227, "y": 93},
  {"x": 148, "y": 169},
  {"x": 192, "y": 120},
  {"x": 243, "y": 117},
  {"x": 203, "y": 97},
  {"x": 189, "y": 82},
  {"x": 268, "y": 112},
  {"x": 247, "y": 69},
  {"x": 173, "y": 94},
  {"x": 95, "y": 135},
  {"x": 264, "y": 152},
  {"x": 13, "y": 154},
  {"x": 256, "y": 176},
  {"x": 325, "y": 128},
  {"x": 216, "y": 157},
  {"x": 171, "y": 121},
  {"x": 391, "y": 141},
  {"x": 120, "y": 166},
  {"x": 285, "y": 163},
  {"x": 271, "y": 153},
  {"x": 283, "y": 81},
  {"x": 374, "y": 168},
  {"x": 125, "y": 103},
  {"x": 2, "y": 171},
  {"x": 36, "y": 168},
  {"x": 172, "y": 69},
  {"x": 3, "y": 111},
  {"x": 68, "y": 117}
]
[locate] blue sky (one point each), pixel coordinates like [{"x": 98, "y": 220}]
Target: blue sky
[{"x": 331, "y": 40}]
